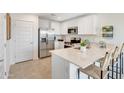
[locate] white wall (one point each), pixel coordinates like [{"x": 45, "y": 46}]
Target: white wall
[
  {"x": 117, "y": 20},
  {"x": 5, "y": 49},
  {"x": 1, "y": 38},
  {"x": 25, "y": 17}
]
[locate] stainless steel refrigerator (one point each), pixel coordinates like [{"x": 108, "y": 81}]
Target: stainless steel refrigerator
[{"x": 45, "y": 43}]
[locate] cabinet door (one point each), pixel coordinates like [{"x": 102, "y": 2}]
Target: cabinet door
[
  {"x": 81, "y": 26},
  {"x": 73, "y": 23},
  {"x": 55, "y": 27},
  {"x": 64, "y": 28},
  {"x": 67, "y": 24},
  {"x": 60, "y": 68},
  {"x": 59, "y": 45},
  {"x": 87, "y": 25}
]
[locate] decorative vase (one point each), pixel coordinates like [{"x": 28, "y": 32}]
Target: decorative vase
[{"x": 83, "y": 48}]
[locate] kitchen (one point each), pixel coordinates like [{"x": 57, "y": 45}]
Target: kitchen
[{"x": 57, "y": 31}]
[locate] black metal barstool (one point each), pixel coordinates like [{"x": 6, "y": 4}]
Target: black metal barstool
[
  {"x": 114, "y": 64},
  {"x": 121, "y": 60},
  {"x": 119, "y": 63}
]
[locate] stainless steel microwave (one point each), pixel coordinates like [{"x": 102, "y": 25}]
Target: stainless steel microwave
[{"x": 73, "y": 30}]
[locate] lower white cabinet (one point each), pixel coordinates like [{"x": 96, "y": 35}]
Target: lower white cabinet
[
  {"x": 59, "y": 44},
  {"x": 60, "y": 68},
  {"x": 63, "y": 69}
]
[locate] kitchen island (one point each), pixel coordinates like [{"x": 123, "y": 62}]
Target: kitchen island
[{"x": 65, "y": 62}]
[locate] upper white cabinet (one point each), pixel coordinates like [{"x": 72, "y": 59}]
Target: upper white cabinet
[
  {"x": 63, "y": 27},
  {"x": 87, "y": 25},
  {"x": 55, "y": 27},
  {"x": 48, "y": 24}
]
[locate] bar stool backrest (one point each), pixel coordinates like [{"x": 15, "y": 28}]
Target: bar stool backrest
[
  {"x": 107, "y": 61},
  {"x": 115, "y": 53},
  {"x": 122, "y": 47}
]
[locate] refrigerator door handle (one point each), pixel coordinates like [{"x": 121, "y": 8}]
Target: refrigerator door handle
[{"x": 47, "y": 39}]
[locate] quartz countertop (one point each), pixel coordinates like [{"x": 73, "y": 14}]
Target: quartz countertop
[{"x": 83, "y": 59}]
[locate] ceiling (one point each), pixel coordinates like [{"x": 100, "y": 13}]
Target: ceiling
[{"x": 60, "y": 16}]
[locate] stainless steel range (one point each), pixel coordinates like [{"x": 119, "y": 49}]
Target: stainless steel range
[{"x": 46, "y": 43}]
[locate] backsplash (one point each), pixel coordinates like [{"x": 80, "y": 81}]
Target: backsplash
[{"x": 67, "y": 38}]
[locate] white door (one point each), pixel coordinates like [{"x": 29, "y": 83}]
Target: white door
[{"x": 24, "y": 41}]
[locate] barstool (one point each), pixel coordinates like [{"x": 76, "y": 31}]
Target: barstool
[
  {"x": 95, "y": 71},
  {"x": 118, "y": 60},
  {"x": 121, "y": 59},
  {"x": 114, "y": 61}
]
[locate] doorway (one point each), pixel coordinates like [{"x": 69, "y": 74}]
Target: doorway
[{"x": 23, "y": 40}]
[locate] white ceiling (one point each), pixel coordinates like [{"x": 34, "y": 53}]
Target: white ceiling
[{"x": 59, "y": 16}]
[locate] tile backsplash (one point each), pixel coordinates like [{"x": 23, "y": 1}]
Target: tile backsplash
[{"x": 67, "y": 38}]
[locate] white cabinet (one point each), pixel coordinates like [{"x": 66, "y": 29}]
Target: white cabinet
[
  {"x": 47, "y": 24},
  {"x": 55, "y": 27},
  {"x": 64, "y": 28},
  {"x": 60, "y": 68},
  {"x": 59, "y": 44},
  {"x": 73, "y": 23},
  {"x": 87, "y": 25},
  {"x": 65, "y": 25},
  {"x": 63, "y": 69}
]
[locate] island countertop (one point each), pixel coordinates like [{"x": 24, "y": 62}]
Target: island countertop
[{"x": 83, "y": 59}]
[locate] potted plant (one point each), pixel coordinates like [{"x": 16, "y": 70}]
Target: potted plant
[{"x": 83, "y": 45}]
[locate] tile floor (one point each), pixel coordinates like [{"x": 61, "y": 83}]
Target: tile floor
[{"x": 38, "y": 69}]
